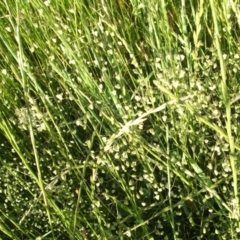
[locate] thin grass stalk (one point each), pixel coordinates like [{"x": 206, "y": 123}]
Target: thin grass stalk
[
  {"x": 167, "y": 25},
  {"x": 172, "y": 221},
  {"x": 79, "y": 192},
  {"x": 25, "y": 89},
  {"x": 196, "y": 34},
  {"x": 227, "y": 103},
  {"x": 5, "y": 230},
  {"x": 185, "y": 33}
]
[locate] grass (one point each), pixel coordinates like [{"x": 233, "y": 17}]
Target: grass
[{"x": 119, "y": 119}]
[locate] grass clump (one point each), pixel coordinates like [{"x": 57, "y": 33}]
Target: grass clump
[{"x": 119, "y": 120}]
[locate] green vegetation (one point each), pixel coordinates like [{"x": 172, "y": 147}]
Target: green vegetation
[{"x": 119, "y": 119}]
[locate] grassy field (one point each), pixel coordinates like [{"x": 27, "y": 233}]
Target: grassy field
[{"x": 119, "y": 119}]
